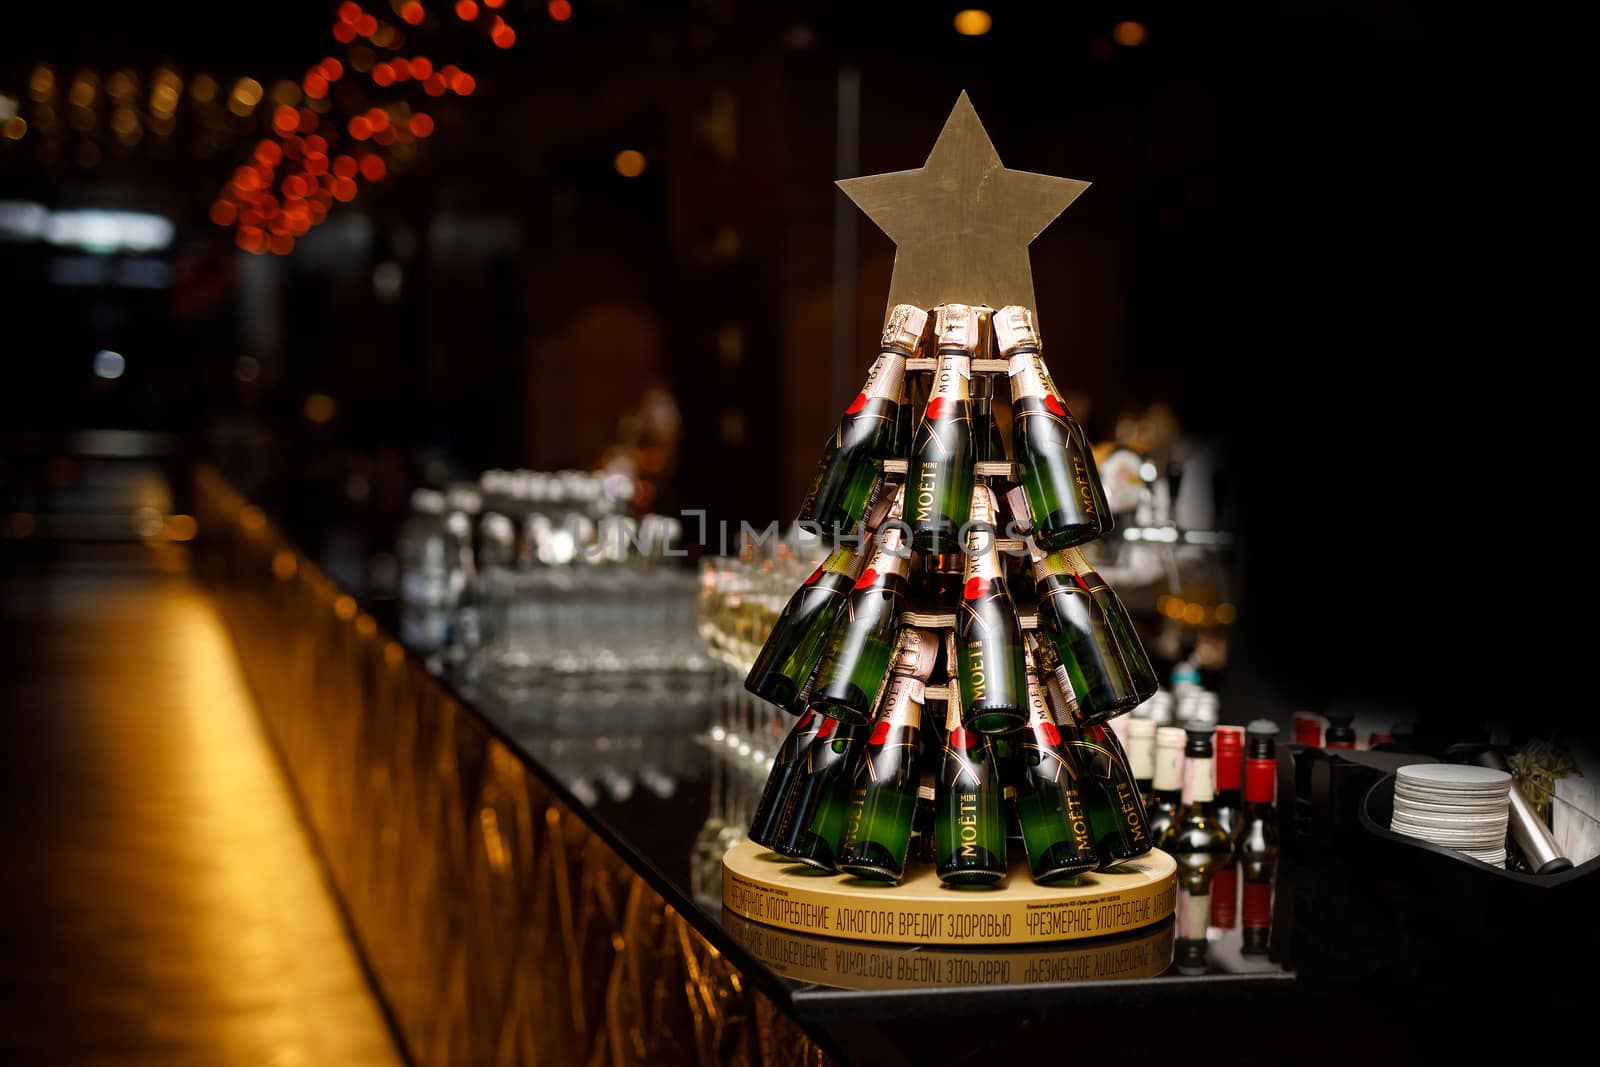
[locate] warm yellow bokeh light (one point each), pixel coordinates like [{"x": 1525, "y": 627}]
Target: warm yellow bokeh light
[
  {"x": 1129, "y": 34},
  {"x": 319, "y": 408},
  {"x": 1226, "y": 614},
  {"x": 1194, "y": 614},
  {"x": 629, "y": 163},
  {"x": 181, "y": 527},
  {"x": 973, "y": 22}
]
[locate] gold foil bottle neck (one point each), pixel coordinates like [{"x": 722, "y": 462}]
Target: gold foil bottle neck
[
  {"x": 952, "y": 709},
  {"x": 903, "y": 328},
  {"x": 904, "y": 702},
  {"x": 1015, "y": 331},
  {"x": 915, "y": 652},
  {"x": 957, "y": 326},
  {"x": 984, "y": 508}
]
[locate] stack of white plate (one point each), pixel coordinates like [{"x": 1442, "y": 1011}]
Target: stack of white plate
[{"x": 1455, "y": 806}]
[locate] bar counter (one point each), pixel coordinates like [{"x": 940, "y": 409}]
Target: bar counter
[{"x": 507, "y": 917}]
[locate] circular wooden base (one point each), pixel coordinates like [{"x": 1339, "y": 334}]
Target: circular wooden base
[
  {"x": 763, "y": 887},
  {"x": 826, "y": 961}
]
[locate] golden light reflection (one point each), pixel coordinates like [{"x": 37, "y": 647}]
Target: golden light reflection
[
  {"x": 42, "y": 82},
  {"x": 203, "y": 88},
  {"x": 1194, "y": 614},
  {"x": 1226, "y": 613},
  {"x": 252, "y": 518},
  {"x": 344, "y": 606},
  {"x": 366, "y": 625},
  {"x": 284, "y": 565},
  {"x": 493, "y": 846}
]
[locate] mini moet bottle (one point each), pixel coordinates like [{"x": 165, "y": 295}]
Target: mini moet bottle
[
  {"x": 1117, "y": 817},
  {"x": 1055, "y": 826},
  {"x": 990, "y": 661},
  {"x": 943, "y": 451},
  {"x": 779, "y": 787},
  {"x": 1092, "y": 634},
  {"x": 1142, "y": 754},
  {"x": 860, "y": 642},
  {"x": 883, "y": 796},
  {"x": 970, "y": 828},
  {"x": 812, "y": 824},
  {"x": 795, "y": 645},
  {"x": 1195, "y": 830},
  {"x": 1055, "y": 464},
  {"x": 852, "y": 460}
]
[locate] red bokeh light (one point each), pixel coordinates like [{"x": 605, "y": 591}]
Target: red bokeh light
[
  {"x": 315, "y": 85},
  {"x": 412, "y": 12},
  {"x": 285, "y": 119},
  {"x": 269, "y": 153},
  {"x": 281, "y": 244},
  {"x": 294, "y": 186},
  {"x": 308, "y": 120},
  {"x": 349, "y": 12},
  {"x": 494, "y": 5},
  {"x": 421, "y": 67},
  {"x": 331, "y": 69},
  {"x": 344, "y": 190},
  {"x": 466, "y": 10},
  {"x": 366, "y": 25},
  {"x": 373, "y": 168},
  {"x": 385, "y": 136},
  {"x": 223, "y": 213},
  {"x": 559, "y": 10},
  {"x": 382, "y": 74},
  {"x": 422, "y": 124},
  {"x": 344, "y": 167},
  {"x": 377, "y": 118},
  {"x": 502, "y": 35},
  {"x": 402, "y": 69},
  {"x": 463, "y": 83},
  {"x": 343, "y": 32},
  {"x": 360, "y": 128}
]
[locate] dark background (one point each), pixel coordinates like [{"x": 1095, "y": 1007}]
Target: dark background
[{"x": 1300, "y": 235}]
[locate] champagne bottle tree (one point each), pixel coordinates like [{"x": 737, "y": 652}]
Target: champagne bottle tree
[{"x": 958, "y": 632}]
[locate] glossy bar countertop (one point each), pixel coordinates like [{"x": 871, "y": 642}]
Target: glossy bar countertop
[{"x": 660, "y": 773}]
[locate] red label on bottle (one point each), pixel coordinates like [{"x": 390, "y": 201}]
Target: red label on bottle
[
  {"x": 1260, "y": 780},
  {"x": 975, "y": 588},
  {"x": 857, "y": 404},
  {"x": 1340, "y": 744},
  {"x": 1230, "y": 757},
  {"x": 1307, "y": 729},
  {"x": 880, "y": 733},
  {"x": 1258, "y": 905},
  {"x": 1225, "y": 898},
  {"x": 867, "y": 578},
  {"x": 826, "y": 729},
  {"x": 1049, "y": 732},
  {"x": 961, "y": 739},
  {"x": 935, "y": 408},
  {"x": 1056, "y": 407},
  {"x": 816, "y": 574},
  {"x": 805, "y": 720}
]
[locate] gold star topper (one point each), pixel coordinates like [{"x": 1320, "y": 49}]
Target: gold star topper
[{"x": 962, "y": 223}]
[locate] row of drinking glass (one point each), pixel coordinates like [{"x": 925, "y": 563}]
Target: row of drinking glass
[{"x": 510, "y": 600}]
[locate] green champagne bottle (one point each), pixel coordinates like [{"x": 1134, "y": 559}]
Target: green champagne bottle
[
  {"x": 939, "y": 482},
  {"x": 861, "y": 641},
  {"x": 988, "y": 633},
  {"x": 852, "y": 460},
  {"x": 1108, "y": 669},
  {"x": 798, "y": 638},
  {"x": 883, "y": 798},
  {"x": 812, "y": 824},
  {"x": 1055, "y": 464},
  {"x": 1195, "y": 828},
  {"x": 1055, "y": 826},
  {"x": 1111, "y": 796},
  {"x": 785, "y": 774},
  {"x": 970, "y": 838}
]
